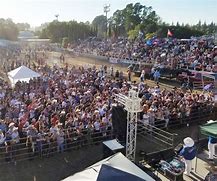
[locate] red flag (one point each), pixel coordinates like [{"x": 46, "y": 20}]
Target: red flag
[{"x": 169, "y": 33}]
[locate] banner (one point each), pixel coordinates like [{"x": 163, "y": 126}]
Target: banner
[{"x": 113, "y": 60}]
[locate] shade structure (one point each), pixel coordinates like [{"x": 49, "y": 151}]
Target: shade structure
[
  {"x": 22, "y": 73},
  {"x": 209, "y": 129},
  {"x": 115, "y": 168}
]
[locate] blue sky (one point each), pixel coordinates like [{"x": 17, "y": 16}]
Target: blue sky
[{"x": 36, "y": 12}]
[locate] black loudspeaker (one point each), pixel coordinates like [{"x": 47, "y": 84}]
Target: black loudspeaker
[
  {"x": 111, "y": 147},
  {"x": 119, "y": 123}
]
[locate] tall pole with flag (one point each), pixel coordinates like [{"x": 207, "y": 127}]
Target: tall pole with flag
[
  {"x": 169, "y": 33},
  {"x": 106, "y": 10}
]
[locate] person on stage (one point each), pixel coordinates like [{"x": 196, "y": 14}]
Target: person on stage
[
  {"x": 188, "y": 153},
  {"x": 212, "y": 142}
]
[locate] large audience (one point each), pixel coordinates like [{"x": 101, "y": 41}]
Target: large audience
[
  {"x": 68, "y": 102},
  {"x": 192, "y": 53}
]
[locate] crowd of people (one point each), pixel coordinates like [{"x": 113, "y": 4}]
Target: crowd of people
[
  {"x": 65, "y": 104},
  {"x": 194, "y": 53},
  {"x": 69, "y": 104},
  {"x": 12, "y": 57}
]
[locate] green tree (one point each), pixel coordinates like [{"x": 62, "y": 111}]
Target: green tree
[
  {"x": 65, "y": 42},
  {"x": 8, "y": 29},
  {"x": 23, "y": 26},
  {"x": 100, "y": 23}
]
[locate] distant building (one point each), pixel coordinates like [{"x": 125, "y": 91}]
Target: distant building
[
  {"x": 23, "y": 35},
  {"x": 29, "y": 37}
]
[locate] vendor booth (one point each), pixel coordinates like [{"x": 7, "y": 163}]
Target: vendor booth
[{"x": 23, "y": 74}]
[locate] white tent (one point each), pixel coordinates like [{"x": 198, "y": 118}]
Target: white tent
[
  {"x": 116, "y": 167},
  {"x": 22, "y": 73}
]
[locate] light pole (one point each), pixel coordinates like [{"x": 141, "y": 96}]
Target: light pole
[
  {"x": 57, "y": 16},
  {"x": 106, "y": 10}
]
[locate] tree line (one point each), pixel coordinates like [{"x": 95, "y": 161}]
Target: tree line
[
  {"x": 129, "y": 22},
  {"x": 10, "y": 30},
  {"x": 135, "y": 19},
  {"x": 69, "y": 31}
]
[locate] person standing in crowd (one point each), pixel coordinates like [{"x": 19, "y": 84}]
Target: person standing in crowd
[
  {"x": 129, "y": 72},
  {"x": 188, "y": 153},
  {"x": 60, "y": 138},
  {"x": 2, "y": 138},
  {"x": 117, "y": 74},
  {"x": 156, "y": 76},
  {"x": 111, "y": 71},
  {"x": 212, "y": 142},
  {"x": 142, "y": 76}
]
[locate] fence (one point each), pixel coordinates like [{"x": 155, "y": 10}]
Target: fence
[
  {"x": 199, "y": 114},
  {"x": 159, "y": 135},
  {"x": 201, "y": 84},
  {"x": 47, "y": 147},
  {"x": 44, "y": 148}
]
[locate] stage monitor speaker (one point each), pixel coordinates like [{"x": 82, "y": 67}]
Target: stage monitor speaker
[
  {"x": 119, "y": 123},
  {"x": 111, "y": 147}
]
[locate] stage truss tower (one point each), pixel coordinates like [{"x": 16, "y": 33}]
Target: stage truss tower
[{"x": 132, "y": 104}]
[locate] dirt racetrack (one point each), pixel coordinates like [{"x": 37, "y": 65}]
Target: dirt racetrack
[{"x": 53, "y": 58}]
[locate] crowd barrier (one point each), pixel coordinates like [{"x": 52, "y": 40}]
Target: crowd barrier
[
  {"x": 200, "y": 84},
  {"x": 198, "y": 115},
  {"x": 113, "y": 60},
  {"x": 158, "y": 134},
  {"x": 21, "y": 151},
  {"x": 46, "y": 148},
  {"x": 98, "y": 57}
]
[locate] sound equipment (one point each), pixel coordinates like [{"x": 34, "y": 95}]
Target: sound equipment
[
  {"x": 119, "y": 123},
  {"x": 173, "y": 170},
  {"x": 178, "y": 148},
  {"x": 111, "y": 147}
]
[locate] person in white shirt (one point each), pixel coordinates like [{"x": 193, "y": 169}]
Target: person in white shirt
[
  {"x": 60, "y": 138},
  {"x": 97, "y": 125},
  {"x": 142, "y": 76},
  {"x": 2, "y": 138},
  {"x": 15, "y": 135}
]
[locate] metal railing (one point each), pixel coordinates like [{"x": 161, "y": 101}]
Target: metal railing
[
  {"x": 200, "y": 114},
  {"x": 156, "y": 134},
  {"x": 21, "y": 151}
]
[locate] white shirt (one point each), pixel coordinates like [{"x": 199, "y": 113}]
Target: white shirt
[
  {"x": 53, "y": 129},
  {"x": 15, "y": 136},
  {"x": 97, "y": 125},
  {"x": 2, "y": 138}
]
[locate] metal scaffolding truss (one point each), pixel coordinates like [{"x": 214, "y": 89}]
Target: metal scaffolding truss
[{"x": 132, "y": 105}]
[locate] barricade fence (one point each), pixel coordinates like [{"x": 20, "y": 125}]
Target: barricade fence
[
  {"x": 164, "y": 137},
  {"x": 200, "y": 84},
  {"x": 46, "y": 147},
  {"x": 199, "y": 114}
]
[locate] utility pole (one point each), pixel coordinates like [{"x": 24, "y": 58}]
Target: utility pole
[{"x": 106, "y": 10}]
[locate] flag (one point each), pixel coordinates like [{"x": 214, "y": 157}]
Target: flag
[{"x": 169, "y": 33}]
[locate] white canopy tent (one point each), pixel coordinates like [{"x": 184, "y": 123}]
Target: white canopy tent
[
  {"x": 22, "y": 73},
  {"x": 116, "y": 167}
]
